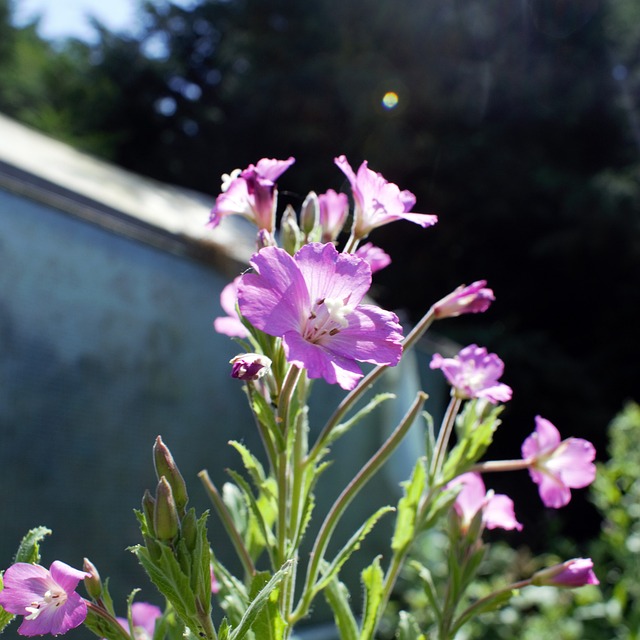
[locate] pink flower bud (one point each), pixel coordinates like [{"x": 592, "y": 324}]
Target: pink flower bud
[
  {"x": 572, "y": 573},
  {"x": 249, "y": 366},
  {"x": 474, "y": 298}
]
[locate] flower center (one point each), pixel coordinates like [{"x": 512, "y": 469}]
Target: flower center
[
  {"x": 51, "y": 598},
  {"x": 328, "y": 317}
]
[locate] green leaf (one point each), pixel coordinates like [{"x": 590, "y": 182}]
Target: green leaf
[
  {"x": 337, "y": 596},
  {"x": 408, "y": 628},
  {"x": 352, "y": 545},
  {"x": 269, "y": 624},
  {"x": 264, "y": 413},
  {"x": 429, "y": 588},
  {"x": 104, "y": 625},
  {"x": 251, "y": 464},
  {"x": 405, "y": 529},
  {"x": 343, "y": 427},
  {"x": 372, "y": 578},
  {"x": 259, "y": 601},
  {"x": 492, "y": 602},
  {"x": 29, "y": 549}
]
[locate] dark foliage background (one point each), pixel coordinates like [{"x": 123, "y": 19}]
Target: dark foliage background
[{"x": 517, "y": 123}]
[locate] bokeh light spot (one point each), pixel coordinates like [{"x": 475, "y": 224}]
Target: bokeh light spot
[{"x": 390, "y": 100}]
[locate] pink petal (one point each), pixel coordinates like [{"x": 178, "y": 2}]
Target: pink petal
[
  {"x": 499, "y": 513},
  {"x": 423, "y": 219},
  {"x": 329, "y": 274},
  {"x": 320, "y": 362},
  {"x": 275, "y": 299},
  {"x": 57, "y": 620},
  {"x": 231, "y": 327},
  {"x": 272, "y": 169},
  {"x": 145, "y": 615},
  {"x": 573, "y": 462},
  {"x": 471, "y": 497},
  {"x": 373, "y": 335},
  {"x": 67, "y": 577},
  {"x": 553, "y": 492},
  {"x": 24, "y": 583}
]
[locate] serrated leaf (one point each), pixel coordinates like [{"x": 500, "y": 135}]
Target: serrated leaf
[
  {"x": 405, "y": 529},
  {"x": 259, "y": 601},
  {"x": 251, "y": 464},
  {"x": 352, "y": 545},
  {"x": 264, "y": 413},
  {"x": 29, "y": 549},
  {"x": 372, "y": 578},
  {"x": 337, "y": 596},
  {"x": 269, "y": 624}
]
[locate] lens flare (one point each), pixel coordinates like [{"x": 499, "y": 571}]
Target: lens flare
[{"x": 390, "y": 100}]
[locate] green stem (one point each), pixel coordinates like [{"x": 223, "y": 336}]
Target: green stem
[
  {"x": 469, "y": 611},
  {"x": 444, "y": 435},
  {"x": 501, "y": 465},
  {"x": 345, "y": 498},
  {"x": 108, "y": 618},
  {"x": 367, "y": 382},
  {"x": 227, "y": 521},
  {"x": 265, "y": 436}
]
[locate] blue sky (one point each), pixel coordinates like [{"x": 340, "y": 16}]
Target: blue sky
[{"x": 62, "y": 18}]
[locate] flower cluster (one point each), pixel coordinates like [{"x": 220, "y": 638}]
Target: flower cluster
[{"x": 300, "y": 313}]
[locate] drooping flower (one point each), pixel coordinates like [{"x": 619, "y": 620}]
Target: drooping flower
[
  {"x": 46, "y": 598},
  {"x": 250, "y": 366},
  {"x": 558, "y": 466},
  {"x": 143, "y": 617},
  {"x": 376, "y": 257},
  {"x": 572, "y": 573},
  {"x": 474, "y": 298},
  {"x": 334, "y": 208},
  {"x": 497, "y": 508},
  {"x": 378, "y": 202},
  {"x": 230, "y": 325},
  {"x": 474, "y": 373},
  {"x": 312, "y": 301},
  {"x": 251, "y": 193}
]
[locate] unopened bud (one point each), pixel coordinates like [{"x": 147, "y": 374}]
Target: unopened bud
[
  {"x": 309, "y": 213},
  {"x": 290, "y": 232},
  {"x": 166, "y": 466},
  {"x": 190, "y": 529},
  {"x": 473, "y": 298},
  {"x": 166, "y": 522},
  {"x": 264, "y": 239},
  {"x": 149, "y": 508},
  {"x": 92, "y": 582},
  {"x": 572, "y": 573},
  {"x": 250, "y": 366}
]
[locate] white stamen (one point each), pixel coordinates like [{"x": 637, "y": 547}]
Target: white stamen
[
  {"x": 337, "y": 311},
  {"x": 228, "y": 178}
]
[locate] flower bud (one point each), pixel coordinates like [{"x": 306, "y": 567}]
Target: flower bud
[
  {"x": 572, "y": 573},
  {"x": 166, "y": 466},
  {"x": 474, "y": 298},
  {"x": 290, "y": 232},
  {"x": 264, "y": 239},
  {"x": 190, "y": 529},
  {"x": 250, "y": 366},
  {"x": 309, "y": 213},
  {"x": 92, "y": 582},
  {"x": 166, "y": 522},
  {"x": 148, "y": 508}
]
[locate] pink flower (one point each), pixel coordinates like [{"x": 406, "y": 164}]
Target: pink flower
[
  {"x": 474, "y": 373},
  {"x": 497, "y": 509},
  {"x": 572, "y": 573},
  {"x": 250, "y": 366},
  {"x": 557, "y": 466},
  {"x": 334, "y": 208},
  {"x": 312, "y": 301},
  {"x": 378, "y": 202},
  {"x": 251, "y": 193},
  {"x": 143, "y": 617},
  {"x": 375, "y": 256},
  {"x": 474, "y": 298},
  {"x": 230, "y": 325},
  {"x": 46, "y": 599}
]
